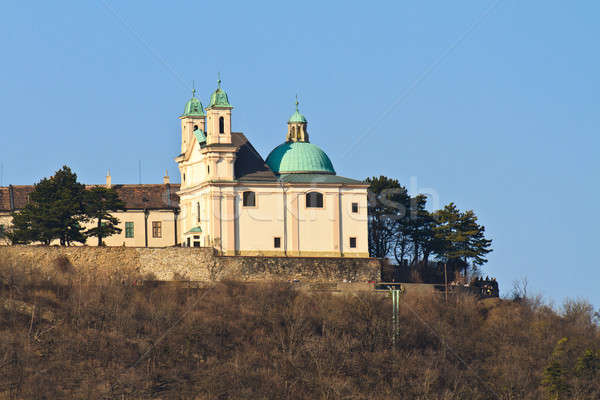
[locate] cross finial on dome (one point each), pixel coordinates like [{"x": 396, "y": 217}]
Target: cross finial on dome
[
  {"x": 297, "y": 102},
  {"x": 193, "y": 89},
  {"x": 219, "y": 97}
]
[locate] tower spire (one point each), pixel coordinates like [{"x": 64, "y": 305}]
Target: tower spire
[
  {"x": 193, "y": 89},
  {"x": 297, "y": 126}
]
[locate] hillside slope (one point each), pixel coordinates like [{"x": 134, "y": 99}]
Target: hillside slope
[{"x": 69, "y": 335}]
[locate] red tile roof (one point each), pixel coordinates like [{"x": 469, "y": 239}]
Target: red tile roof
[
  {"x": 152, "y": 196},
  {"x": 148, "y": 196},
  {"x": 20, "y": 195}
]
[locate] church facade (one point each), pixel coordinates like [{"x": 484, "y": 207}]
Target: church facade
[{"x": 290, "y": 204}]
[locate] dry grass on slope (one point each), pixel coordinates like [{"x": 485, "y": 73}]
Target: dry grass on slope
[{"x": 69, "y": 335}]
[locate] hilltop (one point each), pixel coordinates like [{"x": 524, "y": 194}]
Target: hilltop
[{"x": 69, "y": 335}]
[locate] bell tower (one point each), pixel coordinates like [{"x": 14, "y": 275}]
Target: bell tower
[
  {"x": 297, "y": 127},
  {"x": 193, "y": 122},
  {"x": 218, "y": 123}
]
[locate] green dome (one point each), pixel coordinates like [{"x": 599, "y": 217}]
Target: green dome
[
  {"x": 290, "y": 157},
  {"x": 219, "y": 97},
  {"x": 297, "y": 118},
  {"x": 193, "y": 108}
]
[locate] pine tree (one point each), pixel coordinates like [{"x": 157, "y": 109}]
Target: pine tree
[
  {"x": 21, "y": 231},
  {"x": 99, "y": 201},
  {"x": 55, "y": 211},
  {"x": 388, "y": 205},
  {"x": 556, "y": 374},
  {"x": 463, "y": 241}
]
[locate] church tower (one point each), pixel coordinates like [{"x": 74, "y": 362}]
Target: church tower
[
  {"x": 219, "y": 150},
  {"x": 206, "y": 164},
  {"x": 193, "y": 122},
  {"x": 218, "y": 117},
  {"x": 297, "y": 127}
]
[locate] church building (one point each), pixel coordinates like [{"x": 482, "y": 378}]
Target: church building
[
  {"x": 292, "y": 203},
  {"x": 230, "y": 198}
]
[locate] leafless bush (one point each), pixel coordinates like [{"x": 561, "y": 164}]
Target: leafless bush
[
  {"x": 112, "y": 339},
  {"x": 63, "y": 264},
  {"x": 519, "y": 290}
]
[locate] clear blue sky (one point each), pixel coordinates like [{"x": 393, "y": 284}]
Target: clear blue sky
[{"x": 491, "y": 104}]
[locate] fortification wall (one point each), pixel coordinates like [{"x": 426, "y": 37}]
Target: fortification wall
[{"x": 196, "y": 264}]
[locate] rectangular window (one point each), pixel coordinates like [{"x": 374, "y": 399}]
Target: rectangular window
[
  {"x": 156, "y": 229},
  {"x": 354, "y": 207},
  {"x": 277, "y": 242},
  {"x": 198, "y": 211},
  {"x": 128, "y": 229},
  {"x": 314, "y": 200},
  {"x": 353, "y": 242},
  {"x": 249, "y": 199},
  {"x": 2, "y": 231}
]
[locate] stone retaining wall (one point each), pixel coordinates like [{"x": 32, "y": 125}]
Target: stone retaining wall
[{"x": 197, "y": 264}]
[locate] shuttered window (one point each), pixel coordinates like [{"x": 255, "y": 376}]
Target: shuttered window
[
  {"x": 249, "y": 199},
  {"x": 314, "y": 200}
]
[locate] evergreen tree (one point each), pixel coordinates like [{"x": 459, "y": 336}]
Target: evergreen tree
[
  {"x": 460, "y": 239},
  {"x": 99, "y": 201},
  {"x": 21, "y": 230},
  {"x": 418, "y": 227},
  {"x": 55, "y": 211},
  {"x": 556, "y": 374},
  {"x": 388, "y": 205}
]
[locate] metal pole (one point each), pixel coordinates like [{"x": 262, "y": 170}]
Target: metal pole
[
  {"x": 397, "y": 315},
  {"x": 393, "y": 317},
  {"x": 146, "y": 212},
  {"x": 397, "y": 321},
  {"x": 175, "y": 214}
]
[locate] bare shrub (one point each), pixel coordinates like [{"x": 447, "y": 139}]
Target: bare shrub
[
  {"x": 112, "y": 339},
  {"x": 63, "y": 264}
]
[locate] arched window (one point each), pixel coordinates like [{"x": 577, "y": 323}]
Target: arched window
[
  {"x": 221, "y": 125},
  {"x": 249, "y": 199},
  {"x": 314, "y": 200}
]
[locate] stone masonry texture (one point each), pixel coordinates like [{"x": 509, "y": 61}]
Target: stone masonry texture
[{"x": 194, "y": 264}]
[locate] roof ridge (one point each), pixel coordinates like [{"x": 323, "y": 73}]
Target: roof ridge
[{"x": 252, "y": 147}]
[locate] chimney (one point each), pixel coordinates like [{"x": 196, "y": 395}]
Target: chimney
[
  {"x": 166, "y": 179},
  {"x": 108, "y": 180}
]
